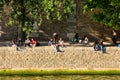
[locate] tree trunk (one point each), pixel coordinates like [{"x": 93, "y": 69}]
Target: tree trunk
[{"x": 23, "y": 36}]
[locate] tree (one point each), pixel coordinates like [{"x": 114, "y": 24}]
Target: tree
[
  {"x": 105, "y": 11},
  {"x": 25, "y": 12}
]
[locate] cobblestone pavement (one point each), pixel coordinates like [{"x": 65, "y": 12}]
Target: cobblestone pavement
[{"x": 72, "y": 57}]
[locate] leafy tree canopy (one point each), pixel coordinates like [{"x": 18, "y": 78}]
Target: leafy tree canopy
[
  {"x": 105, "y": 11},
  {"x": 25, "y": 12}
]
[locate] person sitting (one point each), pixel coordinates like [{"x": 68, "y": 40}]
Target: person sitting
[
  {"x": 61, "y": 42},
  {"x": 75, "y": 38},
  {"x": 12, "y": 43},
  {"x": 96, "y": 45},
  {"x": 102, "y": 47},
  {"x": 33, "y": 43},
  {"x": 54, "y": 45},
  {"x": 51, "y": 42},
  {"x": 27, "y": 42},
  {"x": 86, "y": 40},
  {"x": 57, "y": 47},
  {"x": 19, "y": 44}
]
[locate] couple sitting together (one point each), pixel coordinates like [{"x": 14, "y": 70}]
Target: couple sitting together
[
  {"x": 56, "y": 45},
  {"x": 98, "y": 45},
  {"x": 84, "y": 40}
]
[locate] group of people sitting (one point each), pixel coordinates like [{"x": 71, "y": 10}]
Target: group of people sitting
[
  {"x": 83, "y": 40},
  {"x": 56, "y": 42},
  {"x": 98, "y": 44},
  {"x": 19, "y": 43}
]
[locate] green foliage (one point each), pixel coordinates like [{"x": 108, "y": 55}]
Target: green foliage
[
  {"x": 25, "y": 12},
  {"x": 1, "y": 8},
  {"x": 57, "y": 9},
  {"x": 105, "y": 11}
]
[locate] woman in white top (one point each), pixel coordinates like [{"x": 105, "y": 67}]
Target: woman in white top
[
  {"x": 86, "y": 41},
  {"x": 61, "y": 42},
  {"x": 27, "y": 42}
]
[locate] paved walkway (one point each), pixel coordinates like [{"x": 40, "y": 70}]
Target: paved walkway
[{"x": 72, "y": 57}]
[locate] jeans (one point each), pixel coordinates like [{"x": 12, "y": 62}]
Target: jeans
[{"x": 103, "y": 48}]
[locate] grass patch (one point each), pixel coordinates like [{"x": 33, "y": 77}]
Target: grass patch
[{"x": 57, "y": 72}]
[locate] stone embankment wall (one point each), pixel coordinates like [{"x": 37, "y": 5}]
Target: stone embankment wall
[{"x": 73, "y": 57}]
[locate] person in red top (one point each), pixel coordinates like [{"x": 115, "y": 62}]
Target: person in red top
[{"x": 33, "y": 42}]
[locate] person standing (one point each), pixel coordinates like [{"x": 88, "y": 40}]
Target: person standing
[
  {"x": 55, "y": 37},
  {"x": 114, "y": 37}
]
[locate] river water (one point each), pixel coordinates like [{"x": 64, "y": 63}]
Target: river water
[{"x": 63, "y": 77}]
